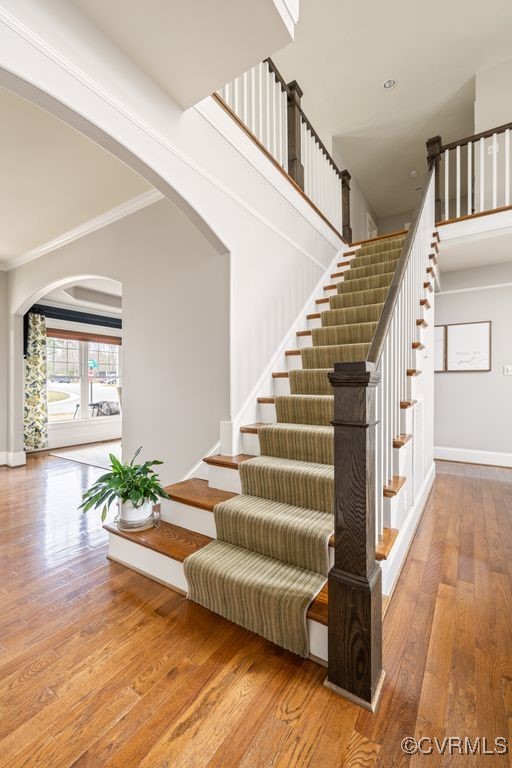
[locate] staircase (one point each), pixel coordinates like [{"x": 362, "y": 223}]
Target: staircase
[{"x": 255, "y": 542}]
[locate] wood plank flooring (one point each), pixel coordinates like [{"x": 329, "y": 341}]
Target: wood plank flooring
[{"x": 100, "y": 666}]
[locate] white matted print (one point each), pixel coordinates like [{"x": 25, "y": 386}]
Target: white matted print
[
  {"x": 468, "y": 347},
  {"x": 439, "y": 348}
]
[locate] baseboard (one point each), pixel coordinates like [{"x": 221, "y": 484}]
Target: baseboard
[
  {"x": 392, "y": 567},
  {"x": 473, "y": 456},
  {"x": 13, "y": 458}
]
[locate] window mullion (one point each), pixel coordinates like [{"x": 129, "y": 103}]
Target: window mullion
[{"x": 84, "y": 380}]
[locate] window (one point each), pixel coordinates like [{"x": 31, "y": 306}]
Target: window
[
  {"x": 83, "y": 378},
  {"x": 63, "y": 379}
]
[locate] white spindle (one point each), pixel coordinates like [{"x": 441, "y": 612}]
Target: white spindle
[
  {"x": 457, "y": 193},
  {"x": 447, "y": 184},
  {"x": 482, "y": 175},
  {"x": 470, "y": 176},
  {"x": 507, "y": 167},
  {"x": 495, "y": 170}
]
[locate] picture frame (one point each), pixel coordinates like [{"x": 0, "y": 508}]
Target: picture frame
[
  {"x": 468, "y": 347},
  {"x": 439, "y": 348}
]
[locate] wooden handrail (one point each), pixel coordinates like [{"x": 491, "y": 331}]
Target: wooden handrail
[
  {"x": 379, "y": 337},
  {"x": 476, "y": 137}
]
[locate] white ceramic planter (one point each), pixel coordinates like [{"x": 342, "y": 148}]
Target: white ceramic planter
[{"x": 136, "y": 517}]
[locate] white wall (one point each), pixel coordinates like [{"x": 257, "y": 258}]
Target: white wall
[
  {"x": 359, "y": 205},
  {"x": 394, "y": 223},
  {"x": 175, "y": 327},
  {"x": 473, "y": 411},
  {"x": 492, "y": 96},
  {"x": 3, "y": 366}
]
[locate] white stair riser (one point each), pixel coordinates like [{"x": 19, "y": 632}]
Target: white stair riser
[
  {"x": 250, "y": 443},
  {"x": 304, "y": 341},
  {"x": 402, "y": 458},
  {"x": 170, "y": 572},
  {"x": 193, "y": 518},
  {"x": 315, "y": 323},
  {"x": 224, "y": 478},
  {"x": 267, "y": 413},
  {"x": 396, "y": 508},
  {"x": 293, "y": 362},
  {"x": 330, "y": 292},
  {"x": 281, "y": 386}
]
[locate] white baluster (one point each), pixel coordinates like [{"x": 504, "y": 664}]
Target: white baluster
[
  {"x": 482, "y": 175},
  {"x": 470, "y": 176},
  {"x": 447, "y": 184},
  {"x": 507, "y": 166},
  {"x": 457, "y": 200},
  {"x": 495, "y": 170}
]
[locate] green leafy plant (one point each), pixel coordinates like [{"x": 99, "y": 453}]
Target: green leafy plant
[{"x": 137, "y": 483}]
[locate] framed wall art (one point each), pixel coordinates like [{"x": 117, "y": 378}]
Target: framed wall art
[{"x": 468, "y": 347}]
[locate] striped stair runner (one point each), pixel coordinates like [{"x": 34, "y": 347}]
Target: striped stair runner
[{"x": 271, "y": 555}]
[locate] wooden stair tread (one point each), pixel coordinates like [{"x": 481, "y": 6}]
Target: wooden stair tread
[
  {"x": 178, "y": 543},
  {"x": 401, "y": 440},
  {"x": 251, "y": 429},
  {"x": 197, "y": 493},
  {"x": 330, "y": 287},
  {"x": 267, "y": 400},
  {"x": 304, "y": 333},
  {"x": 394, "y": 486},
  {"x": 428, "y": 286},
  {"x": 337, "y": 274},
  {"x": 413, "y": 372},
  {"x": 418, "y": 345},
  {"x": 343, "y": 263},
  {"x": 165, "y": 538},
  {"x": 407, "y": 404},
  {"x": 280, "y": 375},
  {"x": 425, "y": 303},
  {"x": 386, "y": 541},
  {"x": 421, "y": 323},
  {"x": 292, "y": 352},
  {"x": 322, "y": 301},
  {"x": 314, "y": 316},
  {"x": 228, "y": 462}
]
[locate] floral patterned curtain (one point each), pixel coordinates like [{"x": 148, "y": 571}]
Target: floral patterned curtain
[{"x": 36, "y": 409}]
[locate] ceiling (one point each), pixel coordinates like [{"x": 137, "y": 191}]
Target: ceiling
[
  {"x": 191, "y": 49},
  {"x": 345, "y": 49},
  {"x": 93, "y": 295},
  {"x": 52, "y": 178}
]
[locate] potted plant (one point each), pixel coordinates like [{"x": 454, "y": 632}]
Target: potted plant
[{"x": 135, "y": 486}]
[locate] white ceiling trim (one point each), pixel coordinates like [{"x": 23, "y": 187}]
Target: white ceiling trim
[{"x": 98, "y": 222}]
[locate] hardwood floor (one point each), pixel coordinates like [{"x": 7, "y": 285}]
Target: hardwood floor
[{"x": 99, "y": 666}]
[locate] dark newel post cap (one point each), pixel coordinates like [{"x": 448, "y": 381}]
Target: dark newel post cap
[
  {"x": 295, "y": 88},
  {"x": 434, "y": 145},
  {"x": 345, "y": 178}
]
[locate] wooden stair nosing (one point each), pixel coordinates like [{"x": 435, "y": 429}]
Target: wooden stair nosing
[
  {"x": 421, "y": 323},
  {"x": 292, "y": 352},
  {"x": 322, "y": 301},
  {"x": 344, "y": 264},
  {"x": 413, "y": 372},
  {"x": 280, "y": 375},
  {"x": 385, "y": 543},
  {"x": 270, "y": 400},
  {"x": 425, "y": 303},
  {"x": 314, "y": 316},
  {"x": 404, "y": 404},
  {"x": 418, "y": 345},
  {"x": 394, "y": 486},
  {"x": 251, "y": 429},
  {"x": 196, "y": 492},
  {"x": 330, "y": 287},
  {"x": 401, "y": 440},
  {"x": 428, "y": 286},
  {"x": 304, "y": 333},
  {"x": 227, "y": 462}
]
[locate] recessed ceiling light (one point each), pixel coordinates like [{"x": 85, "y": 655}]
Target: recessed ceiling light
[
  {"x": 413, "y": 174},
  {"x": 388, "y": 85}
]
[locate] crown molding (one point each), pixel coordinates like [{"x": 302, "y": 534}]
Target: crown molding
[{"x": 98, "y": 222}]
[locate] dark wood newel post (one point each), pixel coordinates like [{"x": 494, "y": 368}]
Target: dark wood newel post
[
  {"x": 434, "y": 146},
  {"x": 295, "y": 167},
  {"x": 345, "y": 205},
  {"x": 355, "y": 584}
]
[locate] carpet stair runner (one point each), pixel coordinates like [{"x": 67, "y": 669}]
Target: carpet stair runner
[{"x": 271, "y": 555}]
